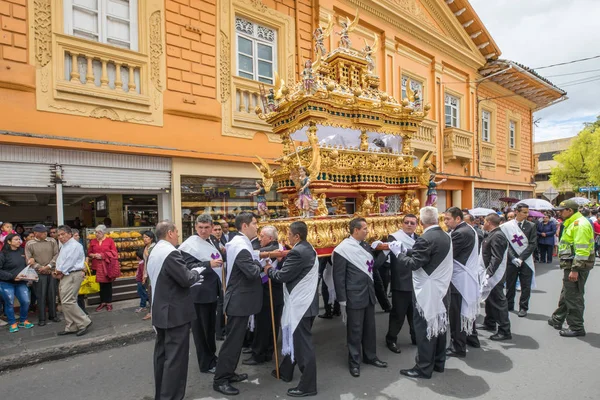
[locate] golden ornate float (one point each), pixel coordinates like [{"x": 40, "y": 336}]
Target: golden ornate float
[{"x": 355, "y": 143}]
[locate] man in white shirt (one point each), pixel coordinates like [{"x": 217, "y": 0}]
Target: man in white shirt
[{"x": 69, "y": 271}]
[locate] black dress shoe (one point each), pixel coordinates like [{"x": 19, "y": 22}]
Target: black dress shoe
[
  {"x": 556, "y": 325},
  {"x": 393, "y": 347},
  {"x": 326, "y": 316},
  {"x": 413, "y": 373},
  {"x": 295, "y": 392},
  {"x": 210, "y": 371},
  {"x": 484, "y": 327},
  {"x": 355, "y": 372},
  {"x": 501, "y": 336},
  {"x": 220, "y": 338},
  {"x": 473, "y": 342},
  {"x": 337, "y": 313},
  {"x": 570, "y": 333},
  {"x": 452, "y": 353},
  {"x": 246, "y": 350},
  {"x": 64, "y": 333},
  {"x": 55, "y": 319},
  {"x": 438, "y": 369},
  {"x": 42, "y": 323},
  {"x": 238, "y": 378},
  {"x": 83, "y": 331},
  {"x": 377, "y": 363},
  {"x": 250, "y": 361},
  {"x": 522, "y": 313},
  {"x": 226, "y": 389},
  {"x": 274, "y": 375}
]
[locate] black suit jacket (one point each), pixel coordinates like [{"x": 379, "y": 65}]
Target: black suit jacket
[
  {"x": 428, "y": 252},
  {"x": 463, "y": 240},
  {"x": 493, "y": 248},
  {"x": 277, "y": 287},
  {"x": 298, "y": 263},
  {"x": 171, "y": 306},
  {"x": 244, "y": 289},
  {"x": 530, "y": 231},
  {"x": 210, "y": 289},
  {"x": 352, "y": 285},
  {"x": 480, "y": 236},
  {"x": 401, "y": 276}
]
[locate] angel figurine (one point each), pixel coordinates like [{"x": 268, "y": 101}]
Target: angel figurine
[
  {"x": 307, "y": 77},
  {"x": 347, "y": 27},
  {"x": 271, "y": 101},
  {"x": 304, "y": 202},
  {"x": 261, "y": 200},
  {"x": 320, "y": 35},
  {"x": 432, "y": 191},
  {"x": 368, "y": 51}
]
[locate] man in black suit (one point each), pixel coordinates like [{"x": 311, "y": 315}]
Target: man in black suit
[
  {"x": 243, "y": 297},
  {"x": 262, "y": 342},
  {"x": 429, "y": 258},
  {"x": 300, "y": 273},
  {"x": 469, "y": 219},
  {"x": 353, "y": 265},
  {"x": 518, "y": 266},
  {"x": 464, "y": 241},
  {"x": 171, "y": 280},
  {"x": 494, "y": 250},
  {"x": 203, "y": 248},
  {"x": 402, "y": 286},
  {"x": 220, "y": 326}
]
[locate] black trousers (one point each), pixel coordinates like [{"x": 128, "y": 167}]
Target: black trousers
[
  {"x": 203, "y": 331},
  {"x": 229, "y": 356},
  {"x": 458, "y": 338},
  {"x": 171, "y": 356},
  {"x": 360, "y": 331},
  {"x": 45, "y": 291},
  {"x": 496, "y": 309},
  {"x": 380, "y": 292},
  {"x": 431, "y": 352},
  {"x": 262, "y": 343},
  {"x": 385, "y": 272},
  {"x": 106, "y": 292},
  {"x": 402, "y": 307},
  {"x": 304, "y": 354},
  {"x": 546, "y": 252},
  {"x": 525, "y": 275},
  {"x": 329, "y": 308},
  {"x": 220, "y": 324}
]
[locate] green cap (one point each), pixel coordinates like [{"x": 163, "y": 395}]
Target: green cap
[{"x": 567, "y": 204}]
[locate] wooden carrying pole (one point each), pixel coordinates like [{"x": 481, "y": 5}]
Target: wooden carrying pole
[{"x": 273, "y": 328}]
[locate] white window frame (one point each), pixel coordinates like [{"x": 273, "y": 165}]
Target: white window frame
[
  {"x": 454, "y": 110},
  {"x": 256, "y": 40},
  {"x": 486, "y": 118},
  {"x": 413, "y": 82},
  {"x": 103, "y": 17},
  {"x": 512, "y": 134}
]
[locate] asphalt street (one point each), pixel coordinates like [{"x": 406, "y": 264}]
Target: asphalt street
[{"x": 536, "y": 364}]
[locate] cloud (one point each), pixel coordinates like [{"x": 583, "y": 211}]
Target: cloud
[{"x": 543, "y": 32}]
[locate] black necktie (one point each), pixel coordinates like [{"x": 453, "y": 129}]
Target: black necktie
[{"x": 521, "y": 225}]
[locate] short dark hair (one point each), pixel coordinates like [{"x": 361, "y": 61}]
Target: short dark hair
[
  {"x": 455, "y": 212},
  {"x": 493, "y": 219},
  {"x": 502, "y": 218},
  {"x": 468, "y": 217},
  {"x": 521, "y": 206},
  {"x": 356, "y": 223},
  {"x": 244, "y": 217},
  {"x": 585, "y": 212},
  {"x": 163, "y": 227},
  {"x": 9, "y": 237},
  {"x": 299, "y": 228},
  {"x": 150, "y": 234},
  {"x": 217, "y": 223},
  {"x": 65, "y": 228},
  {"x": 410, "y": 216}
]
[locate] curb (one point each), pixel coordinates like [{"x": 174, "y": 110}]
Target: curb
[{"x": 29, "y": 358}]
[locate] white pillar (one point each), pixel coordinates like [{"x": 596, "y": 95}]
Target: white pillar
[
  {"x": 164, "y": 206},
  {"x": 457, "y": 198},
  {"x": 60, "y": 214}
]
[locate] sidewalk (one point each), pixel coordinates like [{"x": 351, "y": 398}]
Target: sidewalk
[{"x": 120, "y": 327}]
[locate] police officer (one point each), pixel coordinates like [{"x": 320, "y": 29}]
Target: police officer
[{"x": 576, "y": 253}]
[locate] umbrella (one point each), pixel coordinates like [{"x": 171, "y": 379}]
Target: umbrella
[
  {"x": 582, "y": 201},
  {"x": 509, "y": 199},
  {"x": 481, "y": 212},
  {"x": 536, "y": 214},
  {"x": 537, "y": 204}
]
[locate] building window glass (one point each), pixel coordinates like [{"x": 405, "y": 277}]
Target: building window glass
[
  {"x": 485, "y": 126},
  {"x": 113, "y": 22},
  {"x": 512, "y": 134},
  {"x": 256, "y": 51},
  {"x": 452, "y": 111},
  {"x": 416, "y": 87}
]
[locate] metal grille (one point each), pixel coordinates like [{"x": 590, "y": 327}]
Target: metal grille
[
  {"x": 393, "y": 203},
  {"x": 519, "y": 194},
  {"x": 488, "y": 198}
]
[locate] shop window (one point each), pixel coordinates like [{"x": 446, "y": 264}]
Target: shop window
[
  {"x": 416, "y": 86},
  {"x": 452, "y": 111},
  {"x": 114, "y": 22},
  {"x": 512, "y": 134},
  {"x": 486, "y": 117},
  {"x": 256, "y": 51}
]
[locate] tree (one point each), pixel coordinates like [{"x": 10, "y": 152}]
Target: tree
[{"x": 579, "y": 165}]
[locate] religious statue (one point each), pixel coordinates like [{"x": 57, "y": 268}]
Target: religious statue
[
  {"x": 347, "y": 27},
  {"x": 411, "y": 204},
  {"x": 368, "y": 51},
  {"x": 320, "y": 35},
  {"x": 308, "y": 78},
  {"x": 271, "y": 101},
  {"x": 261, "y": 200},
  {"x": 305, "y": 200},
  {"x": 432, "y": 191}
]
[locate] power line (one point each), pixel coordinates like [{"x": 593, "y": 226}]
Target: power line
[
  {"x": 581, "y": 83},
  {"x": 578, "y": 80},
  {"x": 568, "y": 62},
  {"x": 572, "y": 73}
]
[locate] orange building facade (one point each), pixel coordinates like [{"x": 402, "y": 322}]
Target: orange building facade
[{"x": 151, "y": 103}]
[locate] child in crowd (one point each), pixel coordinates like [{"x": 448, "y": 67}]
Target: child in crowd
[
  {"x": 139, "y": 277},
  {"x": 6, "y": 229}
]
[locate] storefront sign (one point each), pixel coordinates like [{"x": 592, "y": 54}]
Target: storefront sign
[{"x": 590, "y": 189}]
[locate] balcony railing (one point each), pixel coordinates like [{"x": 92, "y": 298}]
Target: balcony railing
[
  {"x": 514, "y": 160},
  {"x": 488, "y": 154},
  {"x": 247, "y": 98},
  {"x": 458, "y": 144},
  {"x": 424, "y": 138}
]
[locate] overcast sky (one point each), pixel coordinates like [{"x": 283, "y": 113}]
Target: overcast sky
[{"x": 542, "y": 32}]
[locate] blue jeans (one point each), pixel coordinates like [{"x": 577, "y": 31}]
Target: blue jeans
[
  {"x": 9, "y": 291},
  {"x": 141, "y": 289}
]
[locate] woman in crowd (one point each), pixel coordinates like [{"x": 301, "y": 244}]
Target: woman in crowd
[
  {"x": 12, "y": 261},
  {"x": 546, "y": 230},
  {"x": 103, "y": 254},
  {"x": 149, "y": 241}
]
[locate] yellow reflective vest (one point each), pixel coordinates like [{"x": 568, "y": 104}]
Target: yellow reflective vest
[{"x": 576, "y": 246}]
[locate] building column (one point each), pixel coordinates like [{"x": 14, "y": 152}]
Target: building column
[
  {"x": 165, "y": 206},
  {"x": 176, "y": 206},
  {"x": 457, "y": 198}
]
